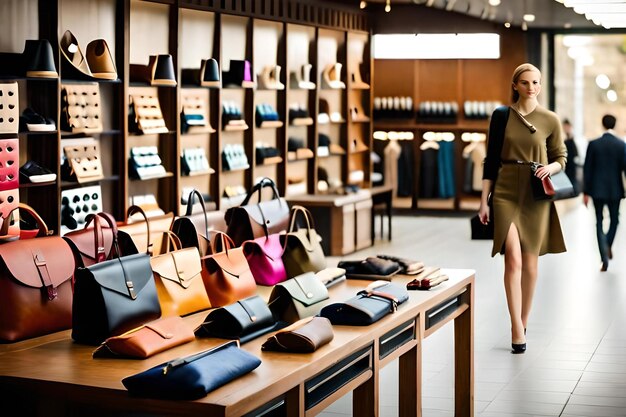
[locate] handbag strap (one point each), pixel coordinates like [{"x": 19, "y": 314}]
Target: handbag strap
[
  {"x": 172, "y": 240},
  {"x": 225, "y": 241},
  {"x": 264, "y": 182},
  {"x": 308, "y": 217},
  {"x": 134, "y": 209},
  {"x": 43, "y": 228},
  {"x": 526, "y": 123},
  {"x": 191, "y": 202},
  {"x": 99, "y": 252}
]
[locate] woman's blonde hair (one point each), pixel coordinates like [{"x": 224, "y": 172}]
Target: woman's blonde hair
[{"x": 516, "y": 74}]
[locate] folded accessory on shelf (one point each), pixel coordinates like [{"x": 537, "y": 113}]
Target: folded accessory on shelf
[
  {"x": 9, "y": 108},
  {"x": 159, "y": 71},
  {"x": 267, "y": 116},
  {"x": 297, "y": 298},
  {"x": 147, "y": 340},
  {"x": 267, "y": 154},
  {"x": 81, "y": 105},
  {"x": 427, "y": 282},
  {"x": 192, "y": 377},
  {"x": 9, "y": 164},
  {"x": 82, "y": 163},
  {"x": 304, "y": 336},
  {"x": 194, "y": 117},
  {"x": 234, "y": 157},
  {"x": 145, "y": 163},
  {"x": 245, "y": 320},
  {"x": 194, "y": 162},
  {"x": 145, "y": 116},
  {"x": 369, "y": 305},
  {"x": 178, "y": 277},
  {"x": 370, "y": 268},
  {"x": 35, "y": 285}
]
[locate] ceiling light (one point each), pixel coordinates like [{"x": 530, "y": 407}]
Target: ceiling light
[
  {"x": 611, "y": 95},
  {"x": 603, "y": 81},
  {"x": 362, "y": 5},
  {"x": 507, "y": 25},
  {"x": 572, "y": 3},
  {"x": 528, "y": 17},
  {"x": 494, "y": 2},
  {"x": 524, "y": 26},
  {"x": 388, "y": 6}
]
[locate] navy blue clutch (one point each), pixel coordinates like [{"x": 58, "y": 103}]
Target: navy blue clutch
[
  {"x": 370, "y": 305},
  {"x": 193, "y": 376}
]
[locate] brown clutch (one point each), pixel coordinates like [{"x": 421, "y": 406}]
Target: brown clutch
[
  {"x": 304, "y": 336},
  {"x": 147, "y": 340}
]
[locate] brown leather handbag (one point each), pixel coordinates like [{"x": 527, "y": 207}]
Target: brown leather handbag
[
  {"x": 35, "y": 287},
  {"x": 226, "y": 275},
  {"x": 148, "y": 235},
  {"x": 304, "y": 336},
  {"x": 147, "y": 340},
  {"x": 249, "y": 221},
  {"x": 94, "y": 243},
  {"x": 178, "y": 277},
  {"x": 193, "y": 229}
]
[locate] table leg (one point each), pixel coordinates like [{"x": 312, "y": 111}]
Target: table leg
[
  {"x": 410, "y": 382},
  {"x": 464, "y": 360},
  {"x": 294, "y": 402},
  {"x": 389, "y": 208},
  {"x": 365, "y": 397}
]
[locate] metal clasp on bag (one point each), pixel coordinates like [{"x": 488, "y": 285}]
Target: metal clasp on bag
[{"x": 131, "y": 289}]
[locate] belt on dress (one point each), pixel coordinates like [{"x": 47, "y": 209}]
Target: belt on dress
[{"x": 518, "y": 162}]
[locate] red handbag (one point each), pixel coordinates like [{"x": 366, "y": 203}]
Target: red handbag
[
  {"x": 35, "y": 287},
  {"x": 94, "y": 243}
]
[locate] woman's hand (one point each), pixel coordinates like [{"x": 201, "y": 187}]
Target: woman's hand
[
  {"x": 483, "y": 213},
  {"x": 547, "y": 170}
]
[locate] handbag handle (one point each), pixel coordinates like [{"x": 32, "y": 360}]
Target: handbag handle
[
  {"x": 264, "y": 182},
  {"x": 225, "y": 241},
  {"x": 43, "y": 228},
  {"x": 295, "y": 210},
  {"x": 172, "y": 240},
  {"x": 134, "y": 209},
  {"x": 191, "y": 202},
  {"x": 99, "y": 234}
]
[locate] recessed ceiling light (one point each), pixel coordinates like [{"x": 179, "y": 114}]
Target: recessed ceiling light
[
  {"x": 528, "y": 17},
  {"x": 494, "y": 2},
  {"x": 362, "y": 5},
  {"x": 507, "y": 25},
  {"x": 388, "y": 6},
  {"x": 603, "y": 81},
  {"x": 611, "y": 95}
]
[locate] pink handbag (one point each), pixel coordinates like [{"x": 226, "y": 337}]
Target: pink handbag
[{"x": 264, "y": 255}]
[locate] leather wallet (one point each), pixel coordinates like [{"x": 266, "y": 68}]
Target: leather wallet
[
  {"x": 147, "y": 340},
  {"x": 244, "y": 320},
  {"x": 299, "y": 297},
  {"x": 192, "y": 377},
  {"x": 370, "y": 305},
  {"x": 304, "y": 336}
]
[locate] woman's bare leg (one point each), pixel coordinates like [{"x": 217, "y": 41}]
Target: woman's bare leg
[
  {"x": 513, "y": 283},
  {"x": 529, "y": 282}
]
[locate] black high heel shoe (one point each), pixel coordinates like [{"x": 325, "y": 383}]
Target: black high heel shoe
[{"x": 518, "y": 348}]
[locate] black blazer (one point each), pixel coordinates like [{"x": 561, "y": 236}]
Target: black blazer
[{"x": 604, "y": 164}]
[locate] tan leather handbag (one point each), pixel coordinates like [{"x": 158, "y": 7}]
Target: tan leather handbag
[
  {"x": 94, "y": 243},
  {"x": 148, "y": 235},
  {"x": 178, "y": 277},
  {"x": 226, "y": 275},
  {"x": 147, "y": 340},
  {"x": 303, "y": 251}
]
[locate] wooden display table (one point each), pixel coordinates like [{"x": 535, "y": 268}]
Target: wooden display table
[
  {"x": 52, "y": 376},
  {"x": 343, "y": 221}
]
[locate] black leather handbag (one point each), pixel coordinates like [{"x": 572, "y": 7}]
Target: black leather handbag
[
  {"x": 244, "y": 320},
  {"x": 112, "y": 297},
  {"x": 553, "y": 187},
  {"x": 370, "y": 305}
]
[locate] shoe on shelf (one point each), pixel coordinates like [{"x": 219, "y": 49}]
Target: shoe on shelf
[
  {"x": 34, "y": 122},
  {"x": 159, "y": 71},
  {"x": 100, "y": 61},
  {"x": 35, "y": 173},
  {"x": 39, "y": 59},
  {"x": 70, "y": 49}
]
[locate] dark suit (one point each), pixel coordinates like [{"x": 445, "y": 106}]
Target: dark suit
[{"x": 604, "y": 164}]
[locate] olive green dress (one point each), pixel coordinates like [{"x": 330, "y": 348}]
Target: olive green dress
[{"x": 513, "y": 202}]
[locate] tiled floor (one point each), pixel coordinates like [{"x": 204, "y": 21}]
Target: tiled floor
[{"x": 576, "y": 359}]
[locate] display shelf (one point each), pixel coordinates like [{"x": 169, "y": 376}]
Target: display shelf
[
  {"x": 73, "y": 184},
  {"x": 153, "y": 177}
]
